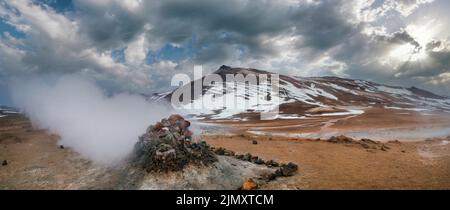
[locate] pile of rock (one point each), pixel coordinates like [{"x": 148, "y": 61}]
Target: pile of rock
[
  {"x": 284, "y": 169},
  {"x": 365, "y": 143},
  {"x": 223, "y": 151},
  {"x": 341, "y": 139},
  {"x": 168, "y": 146},
  {"x": 287, "y": 169},
  {"x": 371, "y": 144}
]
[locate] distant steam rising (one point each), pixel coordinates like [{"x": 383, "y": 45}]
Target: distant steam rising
[{"x": 99, "y": 127}]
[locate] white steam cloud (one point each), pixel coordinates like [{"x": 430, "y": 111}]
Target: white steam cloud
[{"x": 99, "y": 127}]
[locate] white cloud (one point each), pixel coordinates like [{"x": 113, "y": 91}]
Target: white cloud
[
  {"x": 406, "y": 7},
  {"x": 136, "y": 51},
  {"x": 55, "y": 44},
  {"x": 300, "y": 37}
]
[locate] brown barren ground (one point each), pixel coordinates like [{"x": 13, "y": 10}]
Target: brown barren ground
[
  {"x": 35, "y": 160},
  {"x": 372, "y": 119},
  {"x": 324, "y": 165},
  {"x": 409, "y": 164}
]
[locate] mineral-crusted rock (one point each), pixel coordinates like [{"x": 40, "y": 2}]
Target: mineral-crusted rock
[{"x": 168, "y": 146}]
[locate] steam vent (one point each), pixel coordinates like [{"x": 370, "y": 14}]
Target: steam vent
[
  {"x": 167, "y": 157},
  {"x": 168, "y": 146}
]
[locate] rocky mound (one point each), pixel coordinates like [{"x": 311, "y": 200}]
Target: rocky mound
[
  {"x": 168, "y": 146},
  {"x": 167, "y": 157},
  {"x": 283, "y": 169}
]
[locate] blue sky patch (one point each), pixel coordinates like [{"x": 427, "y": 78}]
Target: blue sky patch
[
  {"x": 59, "y": 6},
  {"x": 5, "y": 27},
  {"x": 169, "y": 52}
]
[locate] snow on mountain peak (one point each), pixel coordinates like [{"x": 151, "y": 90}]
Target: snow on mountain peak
[{"x": 298, "y": 94}]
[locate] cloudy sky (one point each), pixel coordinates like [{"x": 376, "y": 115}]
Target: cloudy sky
[{"x": 137, "y": 45}]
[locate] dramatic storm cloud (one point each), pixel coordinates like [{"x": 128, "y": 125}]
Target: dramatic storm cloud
[{"x": 137, "y": 46}]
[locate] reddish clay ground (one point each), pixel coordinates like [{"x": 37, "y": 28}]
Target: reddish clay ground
[
  {"x": 417, "y": 164},
  {"x": 324, "y": 165},
  {"x": 36, "y": 162}
]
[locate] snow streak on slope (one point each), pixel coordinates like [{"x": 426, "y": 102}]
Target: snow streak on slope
[
  {"x": 218, "y": 102},
  {"x": 235, "y": 98},
  {"x": 394, "y": 91}
]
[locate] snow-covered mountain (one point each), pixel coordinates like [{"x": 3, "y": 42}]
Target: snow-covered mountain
[{"x": 300, "y": 96}]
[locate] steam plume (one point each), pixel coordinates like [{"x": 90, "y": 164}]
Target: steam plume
[{"x": 97, "y": 126}]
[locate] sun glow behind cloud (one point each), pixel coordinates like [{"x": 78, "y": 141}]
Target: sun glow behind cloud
[
  {"x": 136, "y": 46},
  {"x": 423, "y": 34},
  {"x": 425, "y": 31},
  {"x": 408, "y": 52}
]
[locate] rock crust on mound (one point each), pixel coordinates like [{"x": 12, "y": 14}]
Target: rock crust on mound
[{"x": 166, "y": 157}]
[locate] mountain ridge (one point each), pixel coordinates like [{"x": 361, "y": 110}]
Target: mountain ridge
[{"x": 298, "y": 94}]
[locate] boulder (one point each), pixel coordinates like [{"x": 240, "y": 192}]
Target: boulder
[
  {"x": 269, "y": 176},
  {"x": 247, "y": 157},
  {"x": 272, "y": 163},
  {"x": 219, "y": 151},
  {"x": 288, "y": 169},
  {"x": 259, "y": 161},
  {"x": 249, "y": 184},
  {"x": 239, "y": 157},
  {"x": 340, "y": 139}
]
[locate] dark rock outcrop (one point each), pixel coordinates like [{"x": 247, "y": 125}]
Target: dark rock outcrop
[
  {"x": 288, "y": 169},
  {"x": 167, "y": 157},
  {"x": 368, "y": 144},
  {"x": 168, "y": 146}
]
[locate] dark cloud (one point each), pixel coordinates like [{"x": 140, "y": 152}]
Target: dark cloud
[
  {"x": 214, "y": 22},
  {"x": 322, "y": 25},
  {"x": 437, "y": 63},
  {"x": 433, "y": 45},
  {"x": 275, "y": 35},
  {"x": 108, "y": 26},
  {"x": 400, "y": 37}
]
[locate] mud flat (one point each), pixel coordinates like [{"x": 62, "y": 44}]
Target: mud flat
[
  {"x": 374, "y": 123},
  {"x": 35, "y": 160},
  {"x": 418, "y": 154},
  {"x": 325, "y": 165}
]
